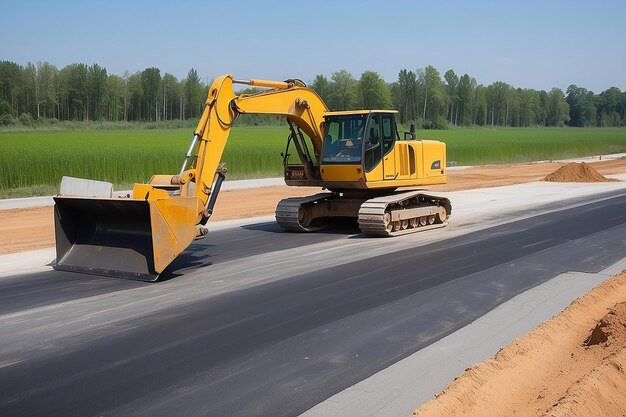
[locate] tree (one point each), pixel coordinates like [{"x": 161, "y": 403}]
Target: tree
[
  {"x": 96, "y": 84},
  {"x": 623, "y": 108},
  {"x": 322, "y": 87},
  {"x": 169, "y": 88},
  {"x": 528, "y": 106},
  {"x": 31, "y": 89},
  {"x": 557, "y": 107},
  {"x": 126, "y": 94},
  {"x": 81, "y": 92},
  {"x": 150, "y": 81},
  {"x": 452, "y": 85},
  {"x": 609, "y": 102},
  {"x": 373, "y": 92},
  {"x": 193, "y": 94},
  {"x": 343, "y": 90},
  {"x": 514, "y": 105},
  {"x": 76, "y": 92},
  {"x": 581, "y": 105},
  {"x": 432, "y": 93},
  {"x": 407, "y": 95},
  {"x": 466, "y": 104},
  {"x": 542, "y": 108},
  {"x": 113, "y": 98},
  {"x": 49, "y": 95},
  {"x": 498, "y": 102},
  {"x": 11, "y": 84},
  {"x": 40, "y": 88},
  {"x": 480, "y": 105},
  {"x": 135, "y": 89}
]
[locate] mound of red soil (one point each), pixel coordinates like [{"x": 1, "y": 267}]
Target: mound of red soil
[
  {"x": 611, "y": 329},
  {"x": 576, "y": 172}
]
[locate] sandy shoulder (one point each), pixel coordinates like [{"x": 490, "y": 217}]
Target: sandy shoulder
[{"x": 571, "y": 365}]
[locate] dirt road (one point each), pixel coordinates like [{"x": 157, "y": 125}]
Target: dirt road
[{"x": 28, "y": 229}]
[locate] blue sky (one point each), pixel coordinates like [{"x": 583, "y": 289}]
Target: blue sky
[{"x": 530, "y": 44}]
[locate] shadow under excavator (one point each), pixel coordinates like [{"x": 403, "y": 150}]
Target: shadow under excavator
[
  {"x": 336, "y": 226},
  {"x": 195, "y": 257},
  {"x": 21, "y": 292}
]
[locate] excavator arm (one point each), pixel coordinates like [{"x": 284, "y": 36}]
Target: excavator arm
[
  {"x": 138, "y": 237},
  {"x": 290, "y": 99}
]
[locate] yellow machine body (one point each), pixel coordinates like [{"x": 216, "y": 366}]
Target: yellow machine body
[{"x": 356, "y": 153}]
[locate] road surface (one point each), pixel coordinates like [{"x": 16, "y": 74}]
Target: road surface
[{"x": 256, "y": 321}]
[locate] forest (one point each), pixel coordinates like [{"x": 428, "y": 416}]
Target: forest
[{"x": 79, "y": 92}]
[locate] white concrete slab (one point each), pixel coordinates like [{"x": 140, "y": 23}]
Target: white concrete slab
[
  {"x": 592, "y": 158},
  {"x": 29, "y": 202},
  {"x": 26, "y": 262}
]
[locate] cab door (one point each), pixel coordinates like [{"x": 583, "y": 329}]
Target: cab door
[
  {"x": 388, "y": 135},
  {"x": 372, "y": 153}
]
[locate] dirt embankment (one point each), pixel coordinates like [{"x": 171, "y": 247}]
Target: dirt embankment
[
  {"x": 577, "y": 172},
  {"x": 572, "y": 365},
  {"x": 33, "y": 228}
]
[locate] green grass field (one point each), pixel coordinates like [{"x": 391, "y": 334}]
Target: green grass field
[
  {"x": 485, "y": 146},
  {"x": 33, "y": 163}
]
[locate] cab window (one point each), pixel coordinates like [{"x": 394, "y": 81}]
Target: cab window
[
  {"x": 389, "y": 132},
  {"x": 373, "y": 148},
  {"x": 343, "y": 139}
]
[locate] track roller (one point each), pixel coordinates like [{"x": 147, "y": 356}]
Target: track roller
[{"x": 403, "y": 213}]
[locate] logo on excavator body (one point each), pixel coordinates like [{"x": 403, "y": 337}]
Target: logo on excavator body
[{"x": 296, "y": 174}]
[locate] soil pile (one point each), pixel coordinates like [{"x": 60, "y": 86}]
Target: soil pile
[
  {"x": 572, "y": 365},
  {"x": 575, "y": 172},
  {"x": 611, "y": 329}
]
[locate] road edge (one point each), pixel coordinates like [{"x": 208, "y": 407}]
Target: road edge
[{"x": 406, "y": 385}]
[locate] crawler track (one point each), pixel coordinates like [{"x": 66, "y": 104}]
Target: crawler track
[
  {"x": 392, "y": 215},
  {"x": 291, "y": 215},
  {"x": 403, "y": 213}
]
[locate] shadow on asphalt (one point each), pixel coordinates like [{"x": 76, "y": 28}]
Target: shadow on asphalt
[
  {"x": 196, "y": 256},
  {"x": 337, "y": 227}
]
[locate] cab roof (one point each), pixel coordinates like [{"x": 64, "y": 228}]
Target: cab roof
[{"x": 353, "y": 112}]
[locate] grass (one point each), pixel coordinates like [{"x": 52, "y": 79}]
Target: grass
[
  {"x": 32, "y": 163},
  {"x": 482, "y": 146}
]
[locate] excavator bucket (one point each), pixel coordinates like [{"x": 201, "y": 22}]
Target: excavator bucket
[{"x": 122, "y": 237}]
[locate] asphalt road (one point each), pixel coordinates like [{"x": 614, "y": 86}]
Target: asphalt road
[{"x": 254, "y": 321}]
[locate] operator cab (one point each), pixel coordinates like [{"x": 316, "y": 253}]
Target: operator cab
[{"x": 358, "y": 137}]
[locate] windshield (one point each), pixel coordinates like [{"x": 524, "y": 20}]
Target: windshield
[{"x": 343, "y": 139}]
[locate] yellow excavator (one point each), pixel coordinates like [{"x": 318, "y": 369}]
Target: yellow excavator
[{"x": 357, "y": 156}]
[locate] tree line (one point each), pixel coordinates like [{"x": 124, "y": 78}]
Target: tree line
[
  {"x": 82, "y": 92},
  {"x": 424, "y": 97}
]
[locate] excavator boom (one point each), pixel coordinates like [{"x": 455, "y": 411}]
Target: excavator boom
[
  {"x": 352, "y": 154},
  {"x": 139, "y": 236}
]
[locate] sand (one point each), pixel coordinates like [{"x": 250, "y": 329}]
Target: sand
[
  {"x": 576, "y": 172},
  {"x": 33, "y": 228},
  {"x": 572, "y": 365}
]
